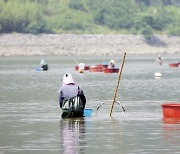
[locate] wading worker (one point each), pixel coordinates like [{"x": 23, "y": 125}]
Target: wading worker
[
  {"x": 112, "y": 64},
  {"x": 72, "y": 100},
  {"x": 159, "y": 60},
  {"x": 44, "y": 65}
]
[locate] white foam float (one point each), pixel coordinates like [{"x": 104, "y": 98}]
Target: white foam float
[{"x": 157, "y": 74}]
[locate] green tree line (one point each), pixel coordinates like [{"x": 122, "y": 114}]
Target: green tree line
[{"x": 145, "y": 17}]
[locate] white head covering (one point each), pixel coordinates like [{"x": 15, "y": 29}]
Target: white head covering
[
  {"x": 112, "y": 61},
  {"x": 81, "y": 66},
  {"x": 67, "y": 79}
]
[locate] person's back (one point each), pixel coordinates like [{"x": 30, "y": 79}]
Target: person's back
[
  {"x": 69, "y": 91},
  {"x": 71, "y": 98}
]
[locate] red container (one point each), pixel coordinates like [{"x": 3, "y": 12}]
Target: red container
[
  {"x": 171, "y": 110},
  {"x": 96, "y": 69},
  {"x": 111, "y": 70},
  {"x": 76, "y": 68},
  {"x": 85, "y": 68},
  {"x": 173, "y": 64},
  {"x": 102, "y": 65}
]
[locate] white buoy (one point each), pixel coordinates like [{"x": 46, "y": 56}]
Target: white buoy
[{"x": 157, "y": 74}]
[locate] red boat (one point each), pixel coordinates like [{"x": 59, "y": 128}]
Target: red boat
[
  {"x": 174, "y": 64},
  {"x": 96, "y": 69},
  {"x": 111, "y": 70},
  {"x": 171, "y": 110},
  {"x": 102, "y": 65},
  {"x": 85, "y": 68}
]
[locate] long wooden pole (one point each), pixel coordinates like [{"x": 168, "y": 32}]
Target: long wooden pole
[{"x": 114, "y": 99}]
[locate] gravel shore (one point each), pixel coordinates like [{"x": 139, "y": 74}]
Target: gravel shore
[{"x": 86, "y": 44}]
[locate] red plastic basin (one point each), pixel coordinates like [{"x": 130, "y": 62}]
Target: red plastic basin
[
  {"x": 85, "y": 68},
  {"x": 111, "y": 70},
  {"x": 173, "y": 64},
  {"x": 171, "y": 110}
]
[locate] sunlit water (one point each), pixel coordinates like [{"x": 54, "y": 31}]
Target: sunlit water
[{"x": 30, "y": 118}]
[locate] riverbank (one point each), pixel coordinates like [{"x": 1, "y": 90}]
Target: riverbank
[{"x": 87, "y": 44}]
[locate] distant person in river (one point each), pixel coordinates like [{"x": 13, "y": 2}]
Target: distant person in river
[
  {"x": 44, "y": 65},
  {"x": 159, "y": 60},
  {"x": 112, "y": 64},
  {"x": 81, "y": 67},
  {"x": 72, "y": 100}
]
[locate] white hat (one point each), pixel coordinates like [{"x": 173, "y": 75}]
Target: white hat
[
  {"x": 112, "y": 61},
  {"x": 67, "y": 79},
  {"x": 81, "y": 66}
]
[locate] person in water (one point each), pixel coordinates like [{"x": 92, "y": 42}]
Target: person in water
[
  {"x": 159, "y": 60},
  {"x": 112, "y": 64},
  {"x": 44, "y": 65},
  {"x": 72, "y": 100}
]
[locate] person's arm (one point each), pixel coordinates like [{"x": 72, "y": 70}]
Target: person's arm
[
  {"x": 83, "y": 98},
  {"x": 60, "y": 99}
]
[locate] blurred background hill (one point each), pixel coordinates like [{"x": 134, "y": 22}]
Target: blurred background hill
[
  {"x": 86, "y": 27},
  {"x": 146, "y": 17}
]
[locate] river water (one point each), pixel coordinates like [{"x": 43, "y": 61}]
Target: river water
[{"x": 30, "y": 118}]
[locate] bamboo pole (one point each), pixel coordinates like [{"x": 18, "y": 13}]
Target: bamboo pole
[{"x": 114, "y": 99}]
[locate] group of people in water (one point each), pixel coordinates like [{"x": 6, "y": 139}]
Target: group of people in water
[
  {"x": 72, "y": 100},
  {"x": 71, "y": 97}
]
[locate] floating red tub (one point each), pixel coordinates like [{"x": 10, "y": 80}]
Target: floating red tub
[
  {"x": 111, "y": 70},
  {"x": 171, "y": 110},
  {"x": 96, "y": 69},
  {"x": 174, "y": 64},
  {"x": 85, "y": 68},
  {"x": 102, "y": 65}
]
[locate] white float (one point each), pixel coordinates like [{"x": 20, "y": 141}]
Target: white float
[{"x": 157, "y": 74}]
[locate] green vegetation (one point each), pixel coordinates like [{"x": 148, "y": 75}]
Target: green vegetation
[{"x": 145, "y": 17}]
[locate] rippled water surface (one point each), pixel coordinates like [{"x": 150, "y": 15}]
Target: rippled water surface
[{"x": 30, "y": 118}]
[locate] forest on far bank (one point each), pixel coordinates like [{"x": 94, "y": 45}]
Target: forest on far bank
[{"x": 146, "y": 17}]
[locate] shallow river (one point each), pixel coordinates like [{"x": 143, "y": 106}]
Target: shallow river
[{"x": 30, "y": 118}]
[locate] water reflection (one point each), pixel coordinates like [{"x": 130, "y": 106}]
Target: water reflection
[
  {"x": 171, "y": 130},
  {"x": 171, "y": 120},
  {"x": 72, "y": 136}
]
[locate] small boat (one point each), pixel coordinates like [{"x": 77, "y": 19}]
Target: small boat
[
  {"x": 102, "y": 65},
  {"x": 171, "y": 110},
  {"x": 111, "y": 70},
  {"x": 174, "y": 64},
  {"x": 96, "y": 69}
]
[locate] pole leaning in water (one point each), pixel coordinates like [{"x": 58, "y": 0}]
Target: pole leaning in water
[{"x": 114, "y": 99}]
